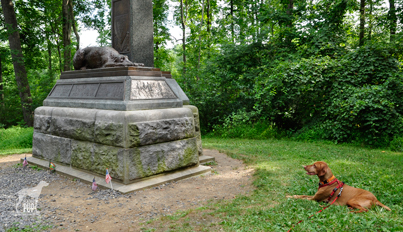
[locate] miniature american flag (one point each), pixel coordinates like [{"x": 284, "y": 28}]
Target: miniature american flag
[
  {"x": 94, "y": 185},
  {"x": 25, "y": 163},
  {"x": 107, "y": 177}
]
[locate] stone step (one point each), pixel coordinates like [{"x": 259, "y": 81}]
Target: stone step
[
  {"x": 206, "y": 159},
  {"x": 147, "y": 183}
]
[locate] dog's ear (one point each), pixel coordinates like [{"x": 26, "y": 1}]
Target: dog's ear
[{"x": 322, "y": 169}]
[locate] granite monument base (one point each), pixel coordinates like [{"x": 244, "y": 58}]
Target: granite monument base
[{"x": 132, "y": 144}]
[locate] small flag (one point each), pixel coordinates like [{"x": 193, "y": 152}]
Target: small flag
[
  {"x": 107, "y": 177},
  {"x": 94, "y": 185},
  {"x": 25, "y": 163},
  {"x": 52, "y": 166}
]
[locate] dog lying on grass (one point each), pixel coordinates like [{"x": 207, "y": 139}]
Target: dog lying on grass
[{"x": 330, "y": 187}]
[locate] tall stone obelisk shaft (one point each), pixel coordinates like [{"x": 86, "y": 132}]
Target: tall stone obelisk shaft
[{"x": 132, "y": 30}]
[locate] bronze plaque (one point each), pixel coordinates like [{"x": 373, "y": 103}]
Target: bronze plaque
[
  {"x": 97, "y": 90},
  {"x": 120, "y": 26},
  {"x": 111, "y": 91},
  {"x": 84, "y": 90},
  {"x": 144, "y": 89},
  {"x": 61, "y": 91}
]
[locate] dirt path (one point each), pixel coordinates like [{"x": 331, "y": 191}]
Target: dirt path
[
  {"x": 9, "y": 161},
  {"x": 72, "y": 205}
]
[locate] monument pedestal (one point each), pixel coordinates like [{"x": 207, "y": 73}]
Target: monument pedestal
[{"x": 133, "y": 124}]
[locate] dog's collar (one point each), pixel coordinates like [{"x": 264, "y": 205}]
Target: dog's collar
[{"x": 327, "y": 182}]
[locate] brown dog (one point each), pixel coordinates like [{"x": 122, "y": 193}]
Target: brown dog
[{"x": 353, "y": 197}]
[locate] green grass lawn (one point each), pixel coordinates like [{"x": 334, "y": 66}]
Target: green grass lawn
[
  {"x": 279, "y": 172},
  {"x": 15, "y": 140}
]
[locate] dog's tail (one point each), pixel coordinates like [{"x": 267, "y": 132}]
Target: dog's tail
[{"x": 378, "y": 203}]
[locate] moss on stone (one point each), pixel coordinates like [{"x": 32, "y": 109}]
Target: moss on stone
[
  {"x": 162, "y": 167},
  {"x": 81, "y": 155},
  {"x": 133, "y": 135},
  {"x": 136, "y": 160},
  {"x": 106, "y": 157},
  {"x": 188, "y": 158}
]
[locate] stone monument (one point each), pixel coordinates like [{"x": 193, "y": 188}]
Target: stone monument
[
  {"x": 132, "y": 30},
  {"x": 135, "y": 121}
]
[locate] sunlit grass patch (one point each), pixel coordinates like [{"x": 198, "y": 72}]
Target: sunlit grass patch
[
  {"x": 279, "y": 172},
  {"x": 16, "y": 140}
]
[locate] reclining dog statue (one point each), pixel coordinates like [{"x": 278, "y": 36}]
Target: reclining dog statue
[{"x": 100, "y": 57}]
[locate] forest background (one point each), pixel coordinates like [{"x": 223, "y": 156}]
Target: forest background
[{"x": 306, "y": 70}]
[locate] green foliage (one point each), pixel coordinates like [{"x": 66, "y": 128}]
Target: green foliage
[
  {"x": 351, "y": 98},
  {"x": 37, "y": 226},
  {"x": 397, "y": 144},
  {"x": 15, "y": 139},
  {"x": 278, "y": 173}
]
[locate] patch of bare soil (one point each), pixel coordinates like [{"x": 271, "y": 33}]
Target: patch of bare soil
[
  {"x": 11, "y": 160},
  {"x": 71, "y": 205}
]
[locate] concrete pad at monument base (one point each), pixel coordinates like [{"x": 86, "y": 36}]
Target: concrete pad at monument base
[
  {"x": 131, "y": 121},
  {"x": 118, "y": 186}
]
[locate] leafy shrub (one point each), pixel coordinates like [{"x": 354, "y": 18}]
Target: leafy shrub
[
  {"x": 355, "y": 98},
  {"x": 397, "y": 144}
]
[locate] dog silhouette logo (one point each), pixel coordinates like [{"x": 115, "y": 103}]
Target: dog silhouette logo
[{"x": 34, "y": 193}]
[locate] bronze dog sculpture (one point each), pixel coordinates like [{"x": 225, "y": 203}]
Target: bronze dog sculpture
[{"x": 100, "y": 57}]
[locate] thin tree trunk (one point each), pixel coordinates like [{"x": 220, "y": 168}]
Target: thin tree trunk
[
  {"x": 290, "y": 8},
  {"x": 183, "y": 37},
  {"x": 66, "y": 35},
  {"x": 18, "y": 60},
  {"x": 362, "y": 22},
  {"x": 200, "y": 33},
  {"x": 74, "y": 24},
  {"x": 208, "y": 28},
  {"x": 1, "y": 85},
  {"x": 371, "y": 7},
  {"x": 60, "y": 57},
  {"x": 392, "y": 18},
  {"x": 49, "y": 54},
  {"x": 232, "y": 20}
]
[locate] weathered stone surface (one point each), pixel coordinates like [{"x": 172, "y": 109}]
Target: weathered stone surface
[
  {"x": 43, "y": 116},
  {"x": 109, "y": 128},
  {"x": 146, "y": 133},
  {"x": 197, "y": 127},
  {"x": 82, "y": 154},
  {"x": 51, "y": 147},
  {"x": 97, "y": 158},
  {"x": 93, "y": 140},
  {"x": 108, "y": 157},
  {"x": 158, "y": 158},
  {"x": 73, "y": 123},
  {"x": 178, "y": 90}
]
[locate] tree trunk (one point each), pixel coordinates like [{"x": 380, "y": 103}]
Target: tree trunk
[
  {"x": 371, "y": 7},
  {"x": 18, "y": 60},
  {"x": 200, "y": 33},
  {"x": 183, "y": 37},
  {"x": 232, "y": 20},
  {"x": 67, "y": 24},
  {"x": 73, "y": 22},
  {"x": 290, "y": 9},
  {"x": 392, "y": 18},
  {"x": 1, "y": 86},
  {"x": 49, "y": 54},
  {"x": 208, "y": 28},
  {"x": 362, "y": 22}
]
